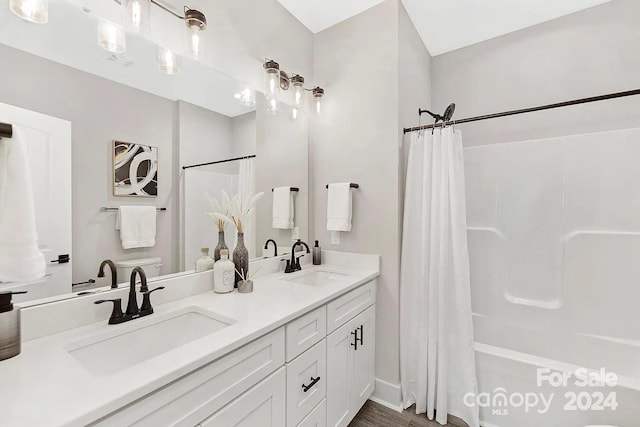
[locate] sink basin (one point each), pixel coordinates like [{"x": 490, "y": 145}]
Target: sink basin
[
  {"x": 318, "y": 278},
  {"x": 146, "y": 338}
]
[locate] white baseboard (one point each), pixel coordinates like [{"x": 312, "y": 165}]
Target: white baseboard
[{"x": 387, "y": 394}]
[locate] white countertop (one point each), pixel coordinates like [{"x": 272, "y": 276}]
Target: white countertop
[{"x": 46, "y": 386}]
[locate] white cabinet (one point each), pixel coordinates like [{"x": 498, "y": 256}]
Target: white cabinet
[
  {"x": 201, "y": 393},
  {"x": 262, "y": 406},
  {"x": 306, "y": 382},
  {"x": 350, "y": 367},
  {"x": 295, "y": 376},
  {"x": 317, "y": 417},
  {"x": 305, "y": 331},
  {"x": 344, "y": 308}
]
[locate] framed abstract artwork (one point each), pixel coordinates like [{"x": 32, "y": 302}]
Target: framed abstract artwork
[{"x": 135, "y": 170}]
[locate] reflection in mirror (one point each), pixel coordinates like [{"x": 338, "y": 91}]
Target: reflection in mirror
[{"x": 69, "y": 100}]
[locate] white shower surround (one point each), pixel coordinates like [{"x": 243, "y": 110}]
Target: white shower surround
[{"x": 554, "y": 239}]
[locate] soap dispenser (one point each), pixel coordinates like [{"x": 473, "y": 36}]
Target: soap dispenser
[
  {"x": 9, "y": 326},
  {"x": 317, "y": 254}
]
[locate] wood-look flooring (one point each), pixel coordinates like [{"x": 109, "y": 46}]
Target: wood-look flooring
[{"x": 375, "y": 415}]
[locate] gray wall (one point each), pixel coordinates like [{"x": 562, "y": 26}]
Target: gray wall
[
  {"x": 414, "y": 85},
  {"x": 100, "y": 111},
  {"x": 588, "y": 53},
  {"x": 375, "y": 71}
]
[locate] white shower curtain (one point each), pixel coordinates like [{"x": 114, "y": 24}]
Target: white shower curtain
[
  {"x": 437, "y": 360},
  {"x": 247, "y": 189}
]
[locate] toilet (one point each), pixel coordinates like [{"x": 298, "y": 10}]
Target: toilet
[{"x": 151, "y": 267}]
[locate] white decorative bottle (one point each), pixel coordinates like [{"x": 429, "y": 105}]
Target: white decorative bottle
[
  {"x": 205, "y": 262},
  {"x": 224, "y": 273}
]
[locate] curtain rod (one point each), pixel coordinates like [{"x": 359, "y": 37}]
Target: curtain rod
[
  {"x": 530, "y": 110},
  {"x": 6, "y": 130},
  {"x": 219, "y": 161}
]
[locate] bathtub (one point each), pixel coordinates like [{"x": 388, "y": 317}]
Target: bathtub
[
  {"x": 554, "y": 251},
  {"x": 508, "y": 359}
]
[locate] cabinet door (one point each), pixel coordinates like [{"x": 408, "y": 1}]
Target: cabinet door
[
  {"x": 306, "y": 382},
  {"x": 339, "y": 359},
  {"x": 363, "y": 368},
  {"x": 317, "y": 417},
  {"x": 261, "y": 406}
]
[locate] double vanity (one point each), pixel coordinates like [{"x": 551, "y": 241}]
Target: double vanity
[{"x": 298, "y": 351}]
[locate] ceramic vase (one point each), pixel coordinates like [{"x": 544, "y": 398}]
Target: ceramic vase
[
  {"x": 241, "y": 258},
  {"x": 221, "y": 245}
]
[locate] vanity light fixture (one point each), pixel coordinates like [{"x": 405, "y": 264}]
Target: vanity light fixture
[
  {"x": 168, "y": 61},
  {"x": 318, "y": 93},
  {"x": 277, "y": 80},
  {"x": 272, "y": 85},
  {"x": 297, "y": 83},
  {"x": 111, "y": 37},
  {"x": 36, "y": 11}
]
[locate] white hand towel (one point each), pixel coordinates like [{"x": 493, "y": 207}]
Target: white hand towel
[
  {"x": 339, "y": 207},
  {"x": 283, "y": 211},
  {"x": 20, "y": 258},
  {"x": 137, "y": 225}
]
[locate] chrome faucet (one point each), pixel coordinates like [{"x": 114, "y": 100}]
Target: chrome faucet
[
  {"x": 275, "y": 246},
  {"x": 132, "y": 312},
  {"x": 293, "y": 265},
  {"x": 114, "y": 273}
]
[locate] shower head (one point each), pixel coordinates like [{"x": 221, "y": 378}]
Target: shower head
[{"x": 448, "y": 113}]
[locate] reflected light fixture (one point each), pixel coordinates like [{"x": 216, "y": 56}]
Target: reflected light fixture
[
  {"x": 196, "y": 23},
  {"x": 36, "y": 11},
  {"x": 168, "y": 61},
  {"x": 137, "y": 15},
  {"x": 111, "y": 37},
  {"x": 246, "y": 96}
]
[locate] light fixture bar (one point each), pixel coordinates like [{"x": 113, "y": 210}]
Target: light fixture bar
[{"x": 167, "y": 9}]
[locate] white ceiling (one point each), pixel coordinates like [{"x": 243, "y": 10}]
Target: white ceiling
[
  {"x": 445, "y": 25},
  {"x": 318, "y": 15}
]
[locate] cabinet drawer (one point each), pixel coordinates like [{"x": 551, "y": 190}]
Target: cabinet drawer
[
  {"x": 262, "y": 406},
  {"x": 197, "y": 395},
  {"x": 346, "y": 307},
  {"x": 305, "y": 331},
  {"x": 306, "y": 382},
  {"x": 317, "y": 417}
]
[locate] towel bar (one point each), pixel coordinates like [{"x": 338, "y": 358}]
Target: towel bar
[
  {"x": 6, "y": 130},
  {"x": 296, "y": 189},
  {"x": 352, "y": 185},
  {"x": 105, "y": 209}
]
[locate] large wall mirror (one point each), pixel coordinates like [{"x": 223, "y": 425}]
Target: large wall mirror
[{"x": 87, "y": 115}]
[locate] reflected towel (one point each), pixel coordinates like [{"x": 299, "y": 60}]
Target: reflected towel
[
  {"x": 20, "y": 258},
  {"x": 283, "y": 210},
  {"x": 137, "y": 225},
  {"x": 339, "y": 207}
]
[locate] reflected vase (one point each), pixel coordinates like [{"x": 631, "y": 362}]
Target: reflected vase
[
  {"x": 241, "y": 258},
  {"x": 221, "y": 245}
]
